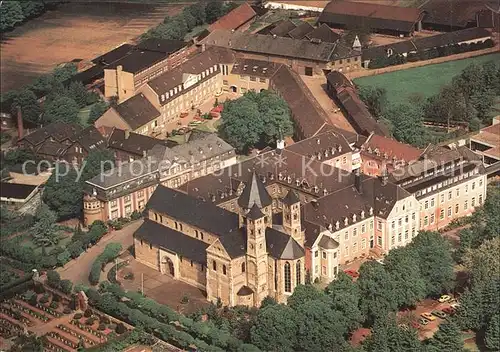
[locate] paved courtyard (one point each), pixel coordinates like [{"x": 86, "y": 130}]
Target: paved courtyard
[{"x": 160, "y": 287}]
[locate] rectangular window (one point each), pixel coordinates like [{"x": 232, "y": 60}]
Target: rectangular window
[
  {"x": 456, "y": 209},
  {"x": 379, "y": 225},
  {"x": 253, "y": 79},
  {"x": 316, "y": 253},
  {"x": 324, "y": 255},
  {"x": 363, "y": 243},
  {"x": 393, "y": 224},
  {"x": 441, "y": 214},
  {"x": 380, "y": 241},
  {"x": 449, "y": 195},
  {"x": 413, "y": 216},
  {"x": 480, "y": 199},
  {"x": 433, "y": 218},
  {"x": 400, "y": 221},
  {"x": 426, "y": 220},
  {"x": 473, "y": 202},
  {"x": 458, "y": 192},
  {"x": 354, "y": 232},
  {"x": 449, "y": 212},
  {"x": 432, "y": 202},
  {"x": 473, "y": 185},
  {"x": 126, "y": 199},
  {"x": 466, "y": 205},
  {"x": 426, "y": 204},
  {"x": 363, "y": 228},
  {"x": 406, "y": 219},
  {"x": 225, "y": 82},
  {"x": 371, "y": 224},
  {"x": 480, "y": 182},
  {"x": 262, "y": 80},
  {"x": 355, "y": 247},
  {"x": 346, "y": 236},
  {"x": 346, "y": 251},
  {"x": 441, "y": 197},
  {"x": 393, "y": 240},
  {"x": 406, "y": 234},
  {"x": 400, "y": 237},
  {"x": 466, "y": 188}
]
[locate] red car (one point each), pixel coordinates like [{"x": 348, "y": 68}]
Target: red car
[{"x": 352, "y": 273}]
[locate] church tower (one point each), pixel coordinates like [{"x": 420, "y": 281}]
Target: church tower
[
  {"x": 255, "y": 192},
  {"x": 291, "y": 217}
]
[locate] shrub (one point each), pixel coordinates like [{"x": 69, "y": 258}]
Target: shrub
[
  {"x": 102, "y": 327},
  {"x": 90, "y": 321},
  {"x": 53, "y": 279},
  {"x": 54, "y": 305},
  {"x": 185, "y": 299},
  {"x": 45, "y": 298},
  {"x": 78, "y": 316},
  {"x": 95, "y": 272},
  {"x": 67, "y": 310},
  {"x": 38, "y": 288},
  {"x": 56, "y": 297},
  {"x": 136, "y": 215},
  {"x": 88, "y": 313},
  {"x": 120, "y": 328},
  {"x": 104, "y": 320}
]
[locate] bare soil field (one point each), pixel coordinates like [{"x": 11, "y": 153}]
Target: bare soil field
[{"x": 73, "y": 31}]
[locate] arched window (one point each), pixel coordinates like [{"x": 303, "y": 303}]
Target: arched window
[
  {"x": 214, "y": 266},
  {"x": 297, "y": 273},
  {"x": 243, "y": 267},
  {"x": 288, "y": 278},
  {"x": 224, "y": 271}
]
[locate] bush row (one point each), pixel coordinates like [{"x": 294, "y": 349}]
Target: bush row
[
  {"x": 111, "y": 251},
  {"x": 399, "y": 59}
]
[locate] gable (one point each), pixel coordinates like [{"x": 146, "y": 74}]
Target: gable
[
  {"x": 111, "y": 118},
  {"x": 217, "y": 249}
]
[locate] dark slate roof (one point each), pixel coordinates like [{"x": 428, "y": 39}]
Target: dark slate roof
[
  {"x": 113, "y": 55},
  {"x": 137, "y": 111},
  {"x": 197, "y": 134},
  {"x": 301, "y": 31},
  {"x": 254, "y": 213},
  {"x": 258, "y": 68},
  {"x": 327, "y": 242},
  {"x": 380, "y": 51},
  {"x": 371, "y": 15},
  {"x": 276, "y": 46},
  {"x": 177, "y": 242},
  {"x": 290, "y": 198},
  {"x": 254, "y": 193},
  {"x": 165, "y": 46},
  {"x": 324, "y": 33},
  {"x": 88, "y": 76},
  {"x": 201, "y": 214},
  {"x": 135, "y": 143},
  {"x": 57, "y": 130},
  {"x": 51, "y": 148},
  {"x": 91, "y": 139},
  {"x": 338, "y": 79},
  {"x": 282, "y": 28},
  {"x": 138, "y": 60},
  {"x": 244, "y": 291},
  {"x": 451, "y": 13},
  {"x": 282, "y": 246},
  {"x": 15, "y": 190}
]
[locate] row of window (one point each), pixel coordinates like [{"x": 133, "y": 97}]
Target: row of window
[
  {"x": 449, "y": 182},
  {"x": 400, "y": 221},
  {"x": 432, "y": 217},
  {"x": 250, "y": 78},
  {"x": 354, "y": 247},
  {"x": 288, "y": 275},
  {"x": 400, "y": 236}
]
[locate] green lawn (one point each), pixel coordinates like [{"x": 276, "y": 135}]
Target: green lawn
[
  {"x": 84, "y": 113},
  {"x": 425, "y": 81}
]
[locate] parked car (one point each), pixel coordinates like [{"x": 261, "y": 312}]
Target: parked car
[
  {"x": 428, "y": 316},
  {"x": 449, "y": 310},
  {"x": 352, "y": 273},
  {"x": 423, "y": 321},
  {"x": 439, "y": 314},
  {"x": 455, "y": 304},
  {"x": 444, "y": 298},
  {"x": 380, "y": 261}
]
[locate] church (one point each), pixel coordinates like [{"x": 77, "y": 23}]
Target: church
[{"x": 240, "y": 257}]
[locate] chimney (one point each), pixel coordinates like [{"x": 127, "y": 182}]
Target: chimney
[
  {"x": 127, "y": 134},
  {"x": 20, "y": 126},
  {"x": 357, "y": 181},
  {"x": 119, "y": 83}
]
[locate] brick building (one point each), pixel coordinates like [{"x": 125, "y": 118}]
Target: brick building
[{"x": 238, "y": 19}]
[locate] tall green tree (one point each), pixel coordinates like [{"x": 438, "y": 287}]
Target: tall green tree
[
  {"x": 407, "y": 123},
  {"x": 61, "y": 109},
  {"x": 11, "y": 14},
  {"x": 447, "y": 339},
  {"x": 483, "y": 263},
  {"x": 96, "y": 111},
  {"x": 303, "y": 294},
  {"x": 492, "y": 336},
  {"x": 375, "y": 99},
  {"x": 44, "y": 231},
  {"x": 32, "y": 8},
  {"x": 388, "y": 336},
  {"x": 213, "y": 10},
  {"x": 377, "y": 290},
  {"x": 320, "y": 327},
  {"x": 275, "y": 328},
  {"x": 435, "y": 262},
  {"x": 403, "y": 267},
  {"x": 30, "y": 108},
  {"x": 63, "y": 194},
  {"x": 344, "y": 297}
]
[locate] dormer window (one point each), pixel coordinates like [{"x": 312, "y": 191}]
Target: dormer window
[
  {"x": 346, "y": 221},
  {"x": 371, "y": 211},
  {"x": 297, "y": 182},
  {"x": 280, "y": 176},
  {"x": 362, "y": 214},
  {"x": 337, "y": 225},
  {"x": 330, "y": 227},
  {"x": 316, "y": 189},
  {"x": 353, "y": 217},
  {"x": 325, "y": 192},
  {"x": 289, "y": 179}
]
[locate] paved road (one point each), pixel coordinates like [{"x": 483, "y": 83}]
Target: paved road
[{"x": 78, "y": 270}]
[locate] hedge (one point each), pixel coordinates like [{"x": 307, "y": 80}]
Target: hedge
[
  {"x": 398, "y": 59},
  {"x": 111, "y": 251}
]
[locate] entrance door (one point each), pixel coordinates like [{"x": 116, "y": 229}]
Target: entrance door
[{"x": 169, "y": 267}]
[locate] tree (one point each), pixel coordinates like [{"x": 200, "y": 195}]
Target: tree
[
  {"x": 30, "y": 108},
  {"x": 11, "y": 14},
  {"x": 474, "y": 124},
  {"x": 483, "y": 263},
  {"x": 275, "y": 328},
  {"x": 268, "y": 301},
  {"x": 303, "y": 294},
  {"x": 32, "y": 8},
  {"x": 387, "y": 336},
  {"x": 447, "y": 339},
  {"x": 63, "y": 258},
  {"x": 377, "y": 291},
  {"x": 66, "y": 286},
  {"x": 213, "y": 10},
  {"x": 319, "y": 327},
  {"x": 407, "y": 123},
  {"x": 435, "y": 262},
  {"x": 63, "y": 194},
  {"x": 78, "y": 93},
  {"x": 53, "y": 278},
  {"x": 375, "y": 99},
  {"x": 197, "y": 10},
  {"x": 62, "y": 109},
  {"x": 44, "y": 231},
  {"x": 96, "y": 111},
  {"x": 403, "y": 267},
  {"x": 255, "y": 118},
  {"x": 344, "y": 297},
  {"x": 492, "y": 336}
]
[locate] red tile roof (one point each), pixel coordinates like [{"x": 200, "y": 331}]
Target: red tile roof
[
  {"x": 234, "y": 19},
  {"x": 372, "y": 10},
  {"x": 393, "y": 148}
]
